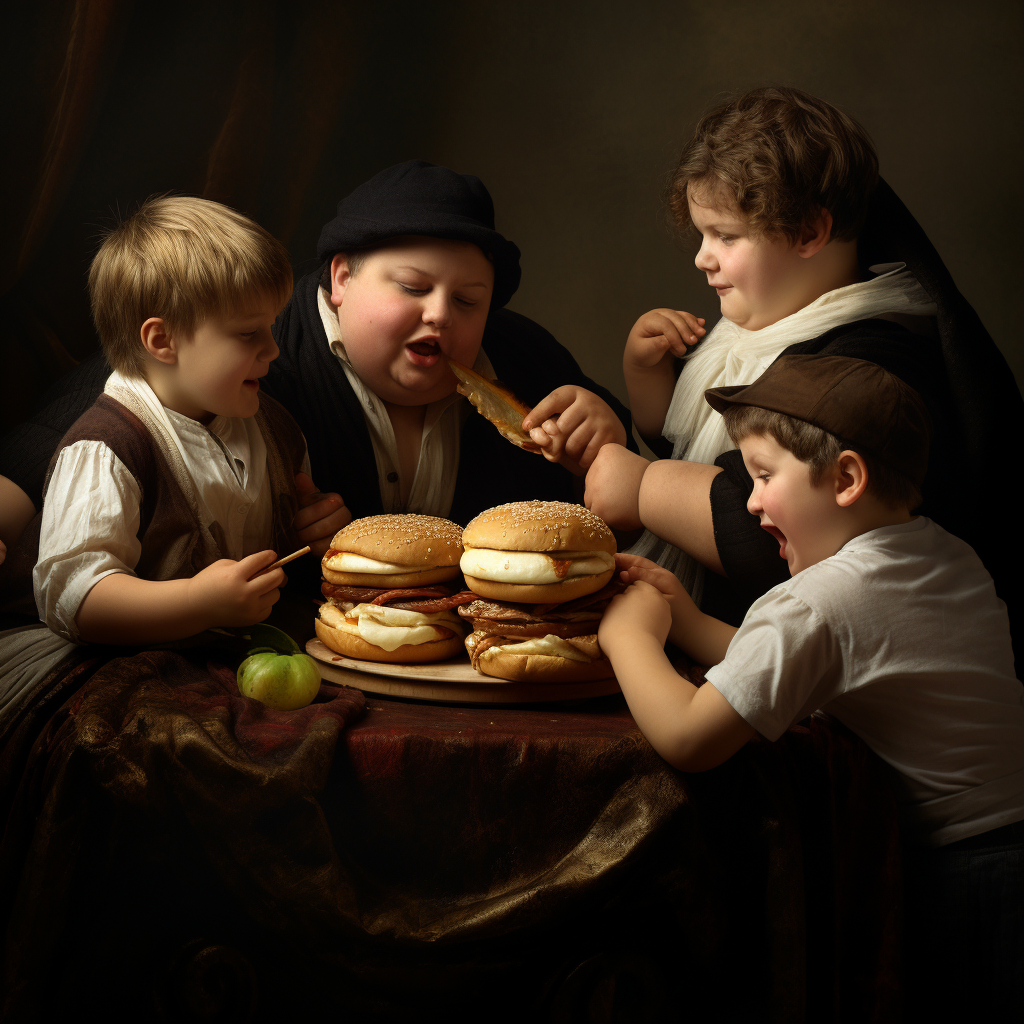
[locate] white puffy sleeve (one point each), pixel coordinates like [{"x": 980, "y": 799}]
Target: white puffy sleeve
[{"x": 89, "y": 530}]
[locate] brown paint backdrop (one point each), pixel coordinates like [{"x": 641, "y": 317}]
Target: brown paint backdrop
[{"x": 572, "y": 113}]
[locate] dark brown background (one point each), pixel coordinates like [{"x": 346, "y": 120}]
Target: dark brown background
[{"x": 571, "y": 113}]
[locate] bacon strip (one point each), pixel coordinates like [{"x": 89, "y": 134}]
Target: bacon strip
[{"x": 436, "y": 598}]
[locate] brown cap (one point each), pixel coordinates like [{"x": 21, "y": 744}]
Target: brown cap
[{"x": 861, "y": 403}]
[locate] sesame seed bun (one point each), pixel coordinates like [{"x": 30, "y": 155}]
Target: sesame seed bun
[
  {"x": 394, "y": 551},
  {"x": 537, "y": 551}
]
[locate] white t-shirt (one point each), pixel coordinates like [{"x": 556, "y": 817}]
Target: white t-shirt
[{"x": 900, "y": 636}]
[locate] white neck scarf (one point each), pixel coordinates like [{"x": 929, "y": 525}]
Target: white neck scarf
[{"x": 731, "y": 355}]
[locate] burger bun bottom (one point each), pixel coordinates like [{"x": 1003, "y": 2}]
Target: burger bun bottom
[
  {"x": 541, "y": 668},
  {"x": 351, "y": 645}
]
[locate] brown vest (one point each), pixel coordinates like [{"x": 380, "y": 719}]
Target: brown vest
[{"x": 169, "y": 529}]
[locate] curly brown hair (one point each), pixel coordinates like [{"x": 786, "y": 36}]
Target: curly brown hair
[{"x": 781, "y": 156}]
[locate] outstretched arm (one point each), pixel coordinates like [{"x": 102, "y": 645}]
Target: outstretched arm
[
  {"x": 671, "y": 499},
  {"x": 693, "y": 729},
  {"x": 702, "y": 637},
  {"x": 675, "y": 504}
]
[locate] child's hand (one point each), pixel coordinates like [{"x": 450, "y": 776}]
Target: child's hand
[
  {"x": 613, "y": 486},
  {"x": 229, "y": 593},
  {"x": 320, "y": 517},
  {"x": 571, "y": 425},
  {"x": 632, "y": 568},
  {"x": 639, "y": 610},
  {"x": 661, "y": 334}
]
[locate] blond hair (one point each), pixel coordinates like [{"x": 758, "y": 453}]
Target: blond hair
[
  {"x": 182, "y": 259},
  {"x": 780, "y": 156}
]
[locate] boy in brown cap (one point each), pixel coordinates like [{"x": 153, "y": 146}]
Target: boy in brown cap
[{"x": 887, "y": 622}]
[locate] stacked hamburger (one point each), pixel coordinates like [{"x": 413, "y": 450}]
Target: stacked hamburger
[
  {"x": 542, "y": 574},
  {"x": 392, "y": 586}
]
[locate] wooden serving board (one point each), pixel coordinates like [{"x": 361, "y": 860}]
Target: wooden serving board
[{"x": 451, "y": 682}]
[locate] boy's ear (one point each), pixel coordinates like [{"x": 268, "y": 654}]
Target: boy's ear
[
  {"x": 340, "y": 277},
  {"x": 851, "y": 478},
  {"x": 158, "y": 340},
  {"x": 815, "y": 235}
]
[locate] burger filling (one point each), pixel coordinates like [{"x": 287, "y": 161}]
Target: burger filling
[
  {"x": 582, "y": 649},
  {"x": 346, "y": 561},
  {"x": 389, "y": 628},
  {"x": 553, "y": 646},
  {"x": 533, "y": 567}
]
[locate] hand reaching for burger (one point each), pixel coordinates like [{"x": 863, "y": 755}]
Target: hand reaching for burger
[
  {"x": 703, "y": 637},
  {"x": 571, "y": 425},
  {"x": 640, "y": 610},
  {"x": 320, "y": 516}
]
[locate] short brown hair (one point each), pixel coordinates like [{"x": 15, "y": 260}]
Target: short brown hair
[
  {"x": 781, "y": 156},
  {"x": 354, "y": 259},
  {"x": 819, "y": 449},
  {"x": 185, "y": 260}
]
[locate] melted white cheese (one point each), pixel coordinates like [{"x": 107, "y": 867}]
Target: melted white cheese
[
  {"x": 533, "y": 566},
  {"x": 346, "y": 561},
  {"x": 390, "y": 628}
]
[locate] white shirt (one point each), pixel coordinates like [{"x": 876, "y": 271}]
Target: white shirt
[
  {"x": 433, "y": 486},
  {"x": 91, "y": 510},
  {"x": 900, "y": 635}
]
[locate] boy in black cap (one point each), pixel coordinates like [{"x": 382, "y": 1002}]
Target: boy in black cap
[
  {"x": 412, "y": 273},
  {"x": 887, "y": 622}
]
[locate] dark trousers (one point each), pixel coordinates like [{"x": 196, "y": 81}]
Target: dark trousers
[{"x": 965, "y": 928}]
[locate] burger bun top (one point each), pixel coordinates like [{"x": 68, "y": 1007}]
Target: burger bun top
[
  {"x": 413, "y": 548},
  {"x": 547, "y": 526}
]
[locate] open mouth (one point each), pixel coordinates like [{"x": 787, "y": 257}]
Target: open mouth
[
  {"x": 423, "y": 353},
  {"x": 252, "y": 383},
  {"x": 779, "y": 536}
]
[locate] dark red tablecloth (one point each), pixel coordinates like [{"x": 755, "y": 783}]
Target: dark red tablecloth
[{"x": 179, "y": 853}]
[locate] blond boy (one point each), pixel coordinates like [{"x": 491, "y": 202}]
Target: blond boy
[{"x": 167, "y": 498}]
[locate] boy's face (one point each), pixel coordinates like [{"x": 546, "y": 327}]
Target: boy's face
[
  {"x": 411, "y": 306},
  {"x": 218, "y": 369},
  {"x": 758, "y": 280},
  {"x": 803, "y": 517}
]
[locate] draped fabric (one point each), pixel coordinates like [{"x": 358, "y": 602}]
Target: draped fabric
[
  {"x": 246, "y": 120},
  {"x": 176, "y": 849}
]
